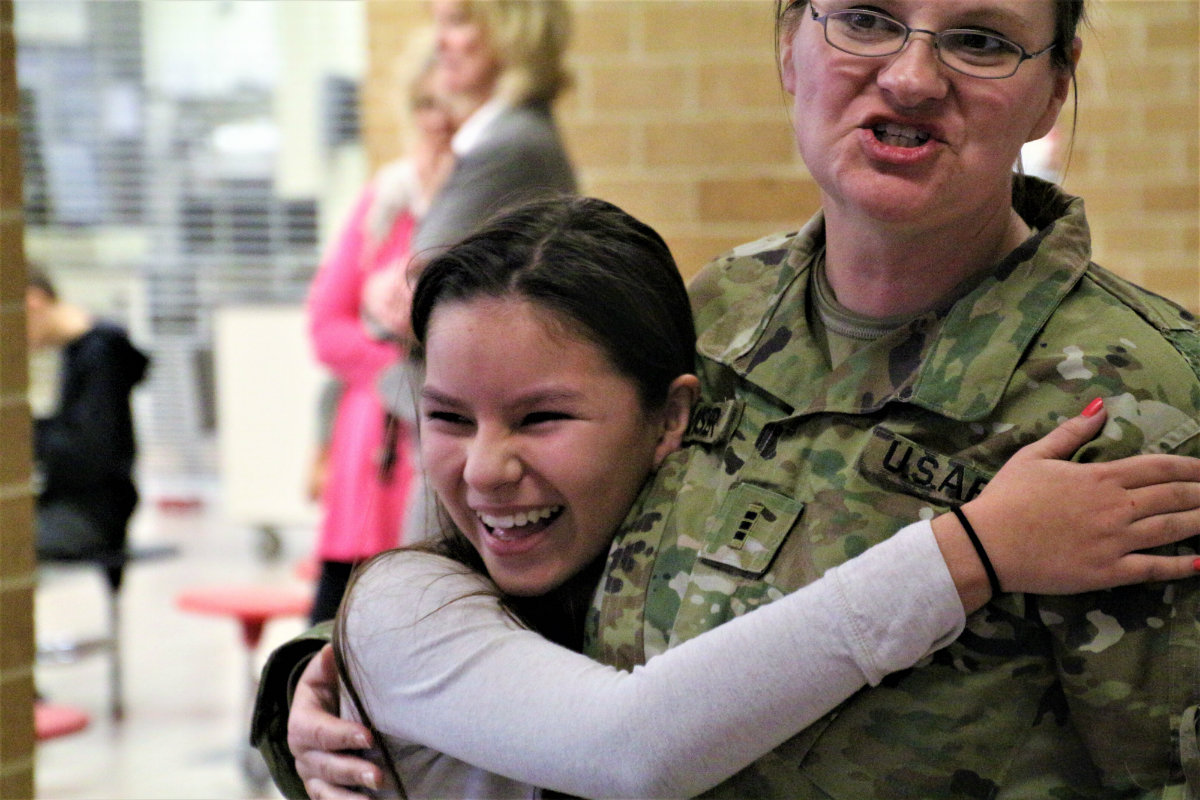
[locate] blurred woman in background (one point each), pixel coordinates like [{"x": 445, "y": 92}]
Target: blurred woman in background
[
  {"x": 366, "y": 467},
  {"x": 502, "y": 63}
]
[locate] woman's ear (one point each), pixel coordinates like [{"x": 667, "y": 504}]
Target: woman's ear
[
  {"x": 1062, "y": 87},
  {"x": 677, "y": 413},
  {"x": 787, "y": 67}
]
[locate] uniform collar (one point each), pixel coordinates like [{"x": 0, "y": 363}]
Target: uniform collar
[{"x": 957, "y": 364}]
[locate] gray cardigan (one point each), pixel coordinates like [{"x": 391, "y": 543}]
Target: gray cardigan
[{"x": 520, "y": 158}]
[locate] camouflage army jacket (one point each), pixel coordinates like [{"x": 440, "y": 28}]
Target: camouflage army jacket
[{"x": 796, "y": 467}]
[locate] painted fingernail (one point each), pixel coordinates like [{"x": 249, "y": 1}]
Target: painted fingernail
[
  {"x": 1196, "y": 565},
  {"x": 1093, "y": 407}
]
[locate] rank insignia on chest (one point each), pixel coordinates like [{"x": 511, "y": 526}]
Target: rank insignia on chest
[
  {"x": 893, "y": 462},
  {"x": 750, "y": 527}
]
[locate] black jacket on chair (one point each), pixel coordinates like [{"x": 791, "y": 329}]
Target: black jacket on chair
[{"x": 85, "y": 452}]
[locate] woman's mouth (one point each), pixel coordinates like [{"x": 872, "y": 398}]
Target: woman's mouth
[
  {"x": 512, "y": 527},
  {"x": 895, "y": 135}
]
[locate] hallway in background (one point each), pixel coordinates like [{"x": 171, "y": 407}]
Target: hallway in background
[{"x": 184, "y": 726}]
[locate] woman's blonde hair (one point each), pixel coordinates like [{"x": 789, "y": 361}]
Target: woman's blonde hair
[{"x": 530, "y": 39}]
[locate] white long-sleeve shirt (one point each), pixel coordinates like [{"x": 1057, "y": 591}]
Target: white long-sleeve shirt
[{"x": 470, "y": 704}]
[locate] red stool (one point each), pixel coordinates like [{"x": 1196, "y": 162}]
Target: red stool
[
  {"x": 51, "y": 721},
  {"x": 252, "y": 607}
]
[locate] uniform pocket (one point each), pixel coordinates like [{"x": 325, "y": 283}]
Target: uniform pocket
[{"x": 750, "y": 526}]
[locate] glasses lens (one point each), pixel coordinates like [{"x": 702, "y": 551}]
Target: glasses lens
[
  {"x": 978, "y": 53},
  {"x": 864, "y": 33}
]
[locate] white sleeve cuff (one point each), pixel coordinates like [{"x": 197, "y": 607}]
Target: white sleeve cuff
[{"x": 900, "y": 603}]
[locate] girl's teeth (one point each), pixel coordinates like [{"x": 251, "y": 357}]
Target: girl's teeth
[{"x": 520, "y": 519}]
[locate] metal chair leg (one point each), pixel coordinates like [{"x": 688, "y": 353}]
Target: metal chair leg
[{"x": 116, "y": 683}]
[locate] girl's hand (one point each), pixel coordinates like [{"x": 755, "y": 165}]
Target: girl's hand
[
  {"x": 1052, "y": 526},
  {"x": 324, "y": 745},
  {"x": 387, "y": 299}
]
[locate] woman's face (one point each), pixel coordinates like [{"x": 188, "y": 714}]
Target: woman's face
[
  {"x": 902, "y": 138},
  {"x": 467, "y": 64},
  {"x": 534, "y": 443},
  {"x": 37, "y": 318},
  {"x": 432, "y": 114}
]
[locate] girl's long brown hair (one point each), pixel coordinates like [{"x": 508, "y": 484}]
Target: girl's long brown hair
[{"x": 611, "y": 279}]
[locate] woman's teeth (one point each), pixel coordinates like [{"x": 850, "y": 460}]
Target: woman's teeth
[
  {"x": 900, "y": 135},
  {"x": 520, "y": 519}
]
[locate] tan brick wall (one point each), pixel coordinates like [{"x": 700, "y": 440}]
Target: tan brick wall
[
  {"x": 677, "y": 116},
  {"x": 1135, "y": 159},
  {"x": 16, "y": 526},
  {"x": 389, "y": 24}
]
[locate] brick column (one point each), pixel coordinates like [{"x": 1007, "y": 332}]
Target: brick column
[{"x": 16, "y": 521}]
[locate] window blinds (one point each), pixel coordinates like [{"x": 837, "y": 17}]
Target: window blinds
[{"x": 150, "y": 154}]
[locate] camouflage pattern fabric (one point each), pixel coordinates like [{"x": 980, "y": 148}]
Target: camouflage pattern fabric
[
  {"x": 268, "y": 725},
  {"x": 794, "y": 468}
]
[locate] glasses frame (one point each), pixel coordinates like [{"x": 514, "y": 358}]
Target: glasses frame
[{"x": 935, "y": 36}]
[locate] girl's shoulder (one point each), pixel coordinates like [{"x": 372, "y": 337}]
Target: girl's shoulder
[
  {"x": 417, "y": 568},
  {"x": 410, "y": 584}
]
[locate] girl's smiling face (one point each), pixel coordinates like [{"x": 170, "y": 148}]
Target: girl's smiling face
[
  {"x": 534, "y": 443},
  {"x": 903, "y": 138}
]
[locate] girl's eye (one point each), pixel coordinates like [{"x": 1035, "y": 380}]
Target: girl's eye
[
  {"x": 539, "y": 417},
  {"x": 447, "y": 418}
]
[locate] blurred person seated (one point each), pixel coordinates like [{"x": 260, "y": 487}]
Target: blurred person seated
[{"x": 83, "y": 452}]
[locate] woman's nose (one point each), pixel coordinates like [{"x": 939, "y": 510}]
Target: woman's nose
[
  {"x": 492, "y": 462},
  {"x": 915, "y": 74},
  {"x": 440, "y": 33}
]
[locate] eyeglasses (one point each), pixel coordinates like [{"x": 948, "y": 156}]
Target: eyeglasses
[{"x": 970, "y": 51}]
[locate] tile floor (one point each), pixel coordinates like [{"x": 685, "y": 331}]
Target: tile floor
[{"x": 185, "y": 674}]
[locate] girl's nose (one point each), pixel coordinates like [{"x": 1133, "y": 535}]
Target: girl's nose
[{"x": 492, "y": 462}]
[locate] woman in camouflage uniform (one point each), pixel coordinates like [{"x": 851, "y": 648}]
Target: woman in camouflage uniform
[{"x": 881, "y": 364}]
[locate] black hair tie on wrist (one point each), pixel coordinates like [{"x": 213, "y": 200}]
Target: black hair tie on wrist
[{"x": 993, "y": 579}]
